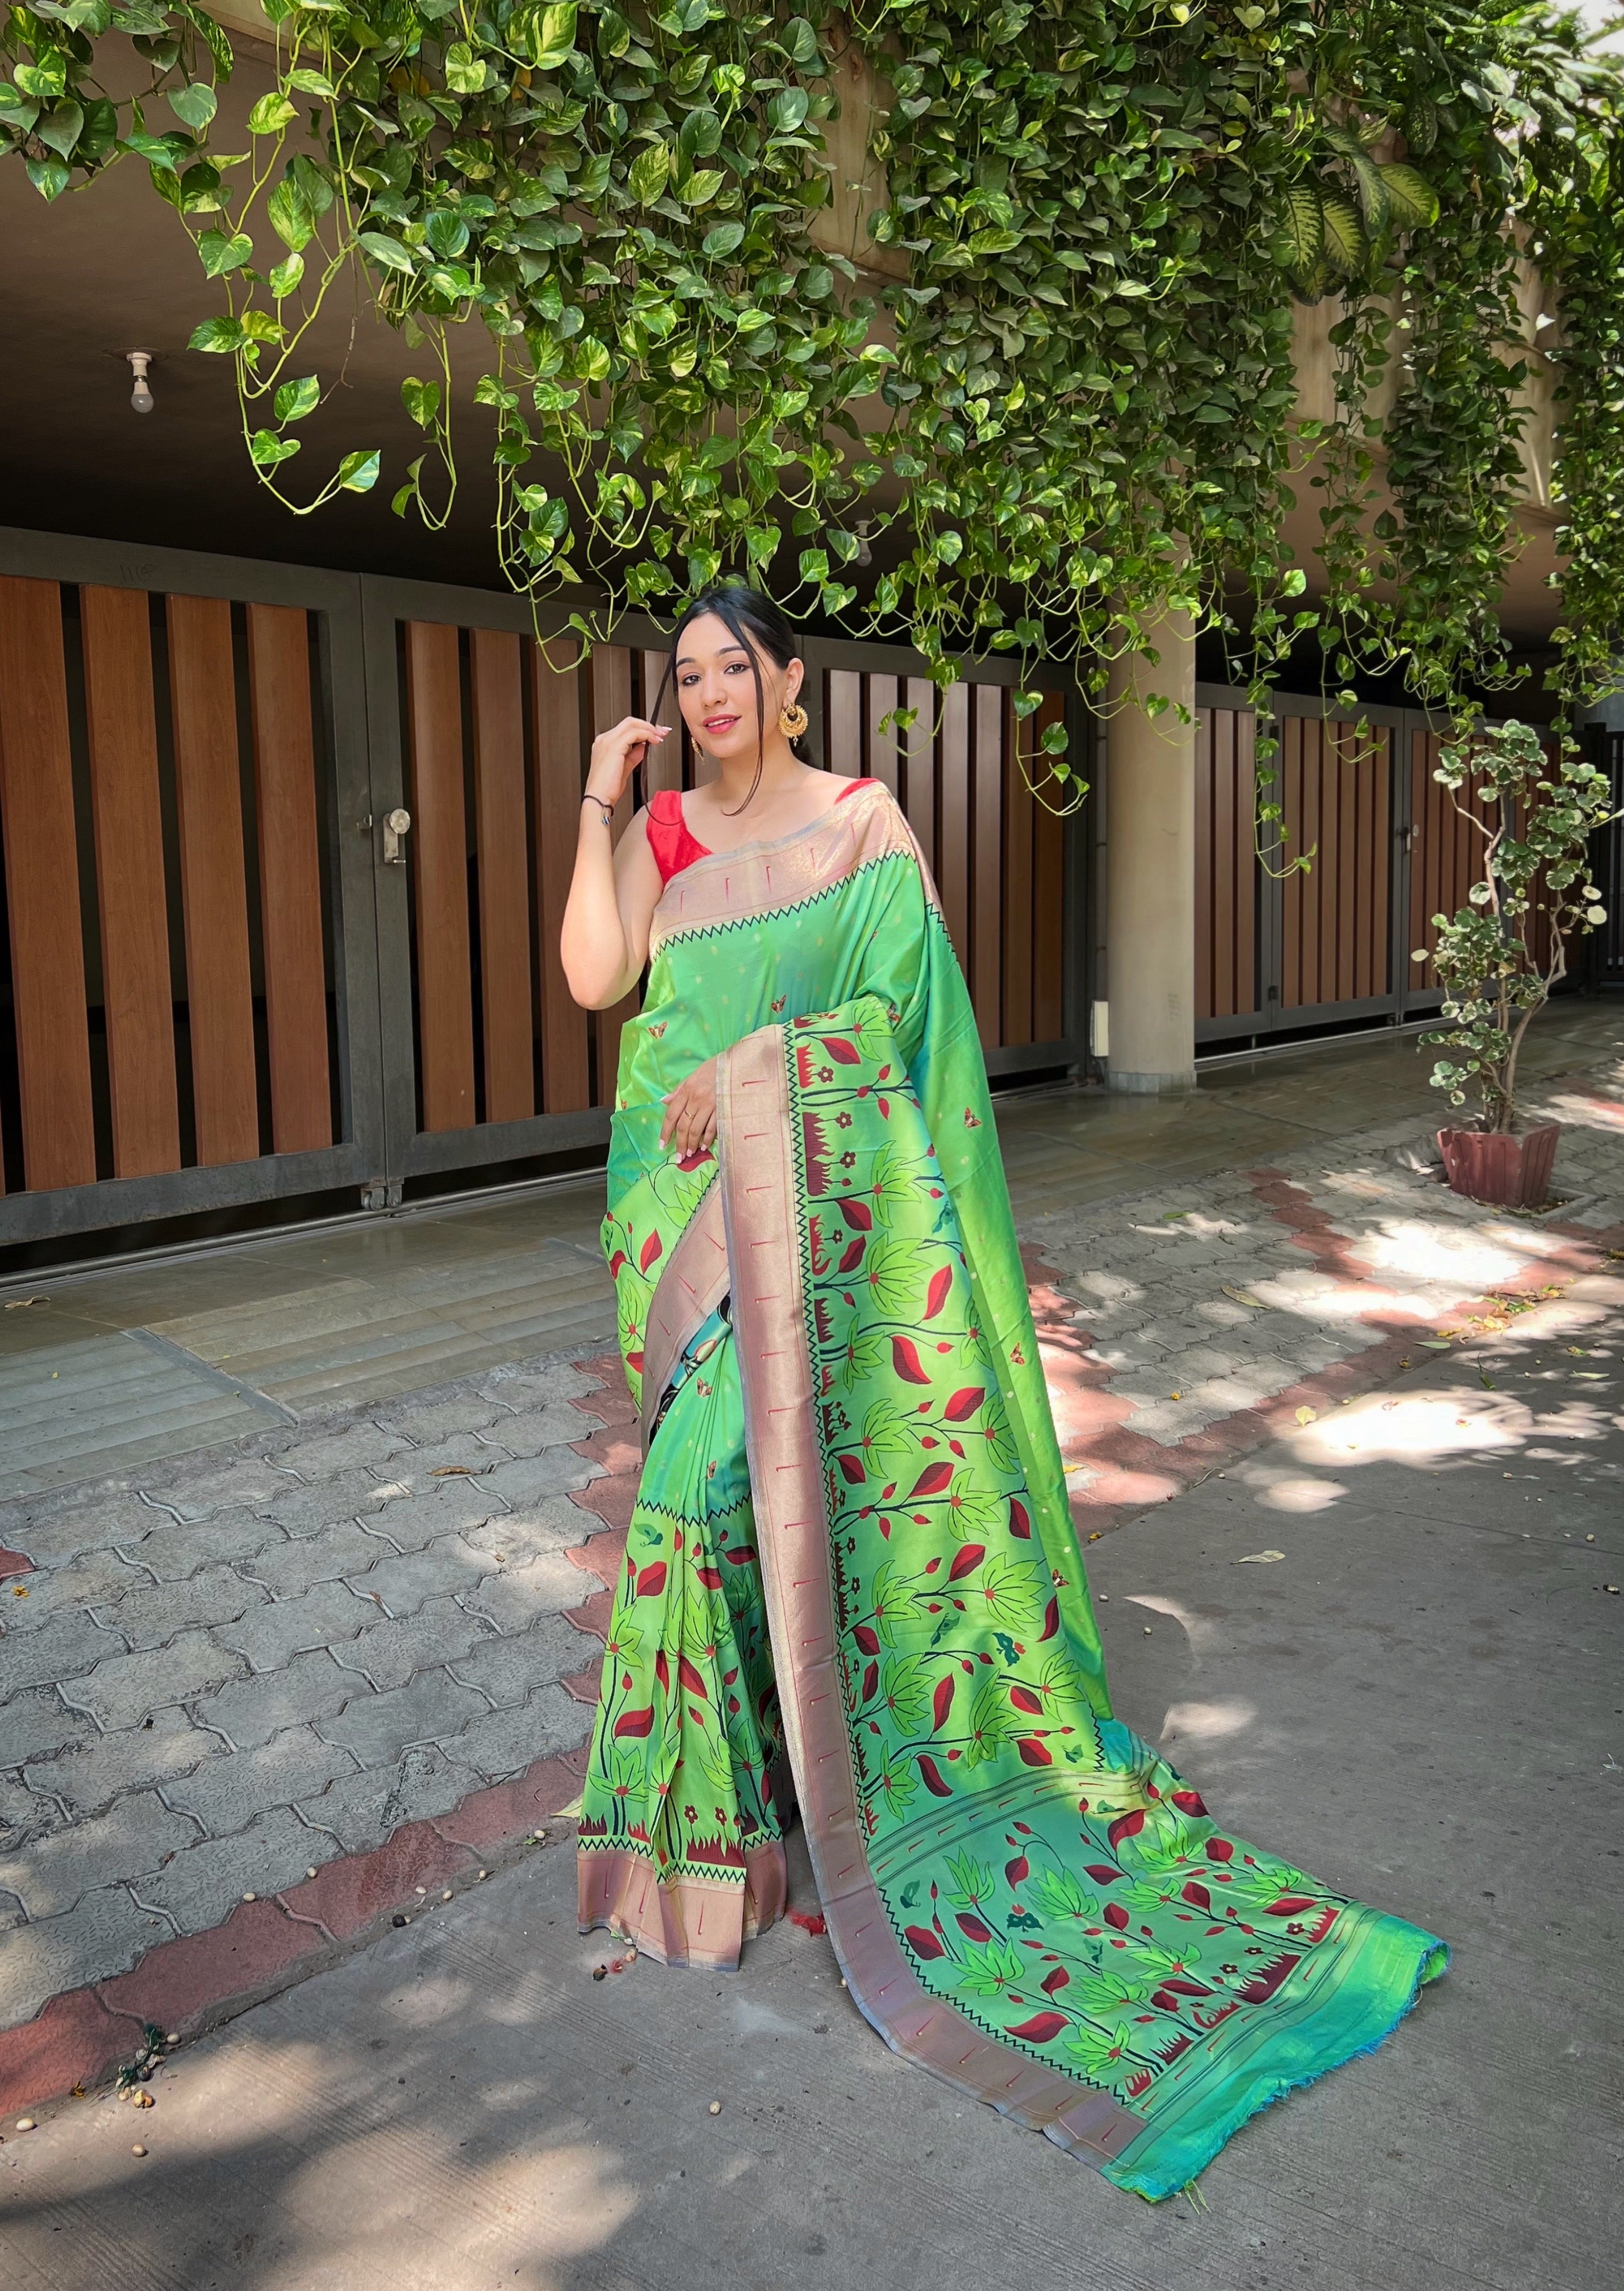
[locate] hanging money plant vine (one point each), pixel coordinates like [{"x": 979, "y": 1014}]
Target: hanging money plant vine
[{"x": 1063, "y": 399}]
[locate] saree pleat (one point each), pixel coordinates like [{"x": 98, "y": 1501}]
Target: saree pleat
[{"x": 851, "y": 1554}]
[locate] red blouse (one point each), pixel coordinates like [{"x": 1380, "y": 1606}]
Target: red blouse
[{"x": 674, "y": 848}]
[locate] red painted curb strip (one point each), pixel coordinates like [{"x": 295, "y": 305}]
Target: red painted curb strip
[{"x": 189, "y": 1985}]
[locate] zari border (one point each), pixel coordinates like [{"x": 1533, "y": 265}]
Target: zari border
[
  {"x": 758, "y": 1194},
  {"x": 693, "y": 1285},
  {"x": 763, "y": 878},
  {"x": 698, "y": 1922}
]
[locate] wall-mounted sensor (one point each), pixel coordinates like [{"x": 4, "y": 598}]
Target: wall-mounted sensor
[{"x": 141, "y": 397}]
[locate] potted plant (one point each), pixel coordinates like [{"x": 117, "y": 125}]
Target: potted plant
[{"x": 1535, "y": 802}]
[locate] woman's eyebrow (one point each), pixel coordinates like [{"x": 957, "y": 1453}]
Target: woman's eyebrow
[{"x": 686, "y": 660}]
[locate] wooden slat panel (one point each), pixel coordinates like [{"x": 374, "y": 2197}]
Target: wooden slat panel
[
  {"x": 611, "y": 667},
  {"x": 439, "y": 847},
  {"x": 1312, "y": 838},
  {"x": 662, "y": 766},
  {"x": 213, "y": 881},
  {"x": 567, "y": 1086},
  {"x": 1216, "y": 857},
  {"x": 917, "y": 744},
  {"x": 1288, "y": 763},
  {"x": 844, "y": 724},
  {"x": 1379, "y": 869},
  {"x": 501, "y": 830},
  {"x": 138, "y": 1003},
  {"x": 1352, "y": 750},
  {"x": 952, "y": 827},
  {"x": 1018, "y": 829},
  {"x": 1049, "y": 894},
  {"x": 880, "y": 701},
  {"x": 1244, "y": 729},
  {"x": 42, "y": 882},
  {"x": 987, "y": 864},
  {"x": 290, "y": 877}
]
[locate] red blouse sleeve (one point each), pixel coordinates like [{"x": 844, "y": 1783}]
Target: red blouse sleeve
[{"x": 673, "y": 847}]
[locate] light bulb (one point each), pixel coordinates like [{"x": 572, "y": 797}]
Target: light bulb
[{"x": 141, "y": 397}]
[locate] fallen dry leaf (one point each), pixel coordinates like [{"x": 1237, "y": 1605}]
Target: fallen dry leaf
[
  {"x": 1307, "y": 1416},
  {"x": 458, "y": 1471},
  {"x": 1258, "y": 1558},
  {"x": 1244, "y": 1297},
  {"x": 16, "y": 1304}
]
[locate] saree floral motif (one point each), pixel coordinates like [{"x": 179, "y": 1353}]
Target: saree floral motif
[{"x": 852, "y": 1563}]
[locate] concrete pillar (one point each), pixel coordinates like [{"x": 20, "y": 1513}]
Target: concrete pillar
[{"x": 1150, "y": 868}]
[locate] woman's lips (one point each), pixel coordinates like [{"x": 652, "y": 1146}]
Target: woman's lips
[{"x": 720, "y": 723}]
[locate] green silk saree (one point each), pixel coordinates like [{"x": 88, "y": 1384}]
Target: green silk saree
[{"x": 851, "y": 1575}]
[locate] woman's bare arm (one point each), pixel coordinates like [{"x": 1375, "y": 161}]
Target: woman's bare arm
[{"x": 605, "y": 942}]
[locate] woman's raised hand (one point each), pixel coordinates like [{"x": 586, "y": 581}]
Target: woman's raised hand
[
  {"x": 616, "y": 755},
  {"x": 690, "y": 1123}
]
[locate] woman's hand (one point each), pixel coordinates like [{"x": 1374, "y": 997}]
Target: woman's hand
[
  {"x": 616, "y": 755},
  {"x": 690, "y": 1123}
]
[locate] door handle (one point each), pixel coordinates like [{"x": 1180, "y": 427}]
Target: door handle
[{"x": 396, "y": 823}]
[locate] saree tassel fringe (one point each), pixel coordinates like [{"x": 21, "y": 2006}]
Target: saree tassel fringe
[{"x": 852, "y": 1556}]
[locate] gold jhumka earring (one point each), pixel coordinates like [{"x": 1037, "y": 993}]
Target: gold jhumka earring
[{"x": 793, "y": 720}]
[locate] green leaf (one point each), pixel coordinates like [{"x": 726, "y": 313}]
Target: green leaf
[
  {"x": 271, "y": 115},
  {"x": 260, "y": 326},
  {"x": 787, "y": 110},
  {"x": 649, "y": 172},
  {"x": 358, "y": 473},
  {"x": 49, "y": 177},
  {"x": 1347, "y": 248},
  {"x": 446, "y": 233},
  {"x": 389, "y": 254},
  {"x": 196, "y": 105},
  {"x": 549, "y": 35},
  {"x": 311, "y": 184},
  {"x": 1302, "y": 230},
  {"x": 465, "y": 72},
  {"x": 285, "y": 277},
  {"x": 221, "y": 254},
  {"x": 1413, "y": 202},
  {"x": 723, "y": 240},
  {"x": 295, "y": 400},
  {"x": 60, "y": 127},
  {"x": 315, "y": 82},
  {"x": 800, "y": 43},
  {"x": 46, "y": 78},
  {"x": 421, "y": 400},
  {"x": 290, "y": 215},
  {"x": 267, "y": 449},
  {"x": 703, "y": 184},
  {"x": 218, "y": 334}
]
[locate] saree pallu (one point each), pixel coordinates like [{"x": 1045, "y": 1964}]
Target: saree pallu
[{"x": 851, "y": 1571}]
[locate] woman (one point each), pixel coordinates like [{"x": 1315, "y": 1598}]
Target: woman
[{"x": 850, "y": 1569}]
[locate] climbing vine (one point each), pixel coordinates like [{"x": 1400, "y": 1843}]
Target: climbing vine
[{"x": 1062, "y": 401}]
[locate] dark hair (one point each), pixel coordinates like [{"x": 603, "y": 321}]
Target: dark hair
[{"x": 757, "y": 623}]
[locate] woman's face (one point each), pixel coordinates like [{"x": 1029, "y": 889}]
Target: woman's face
[{"x": 715, "y": 689}]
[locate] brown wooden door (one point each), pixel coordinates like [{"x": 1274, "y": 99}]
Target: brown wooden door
[{"x": 178, "y": 1015}]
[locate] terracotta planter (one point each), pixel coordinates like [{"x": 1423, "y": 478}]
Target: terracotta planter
[{"x": 1512, "y": 1171}]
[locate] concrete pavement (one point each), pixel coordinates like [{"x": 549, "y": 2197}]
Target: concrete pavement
[
  {"x": 267, "y": 1684},
  {"x": 1416, "y": 1698}
]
